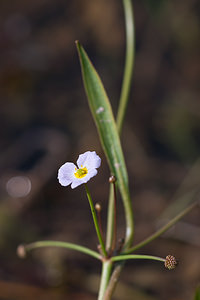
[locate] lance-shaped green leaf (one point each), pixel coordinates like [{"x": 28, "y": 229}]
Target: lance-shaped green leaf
[{"x": 106, "y": 126}]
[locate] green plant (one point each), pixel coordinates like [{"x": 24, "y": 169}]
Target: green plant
[{"x": 112, "y": 255}]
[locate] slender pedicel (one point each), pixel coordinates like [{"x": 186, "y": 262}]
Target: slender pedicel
[
  {"x": 23, "y": 249},
  {"x": 112, "y": 180},
  {"x": 98, "y": 210},
  {"x": 96, "y": 224},
  {"x": 137, "y": 256}
]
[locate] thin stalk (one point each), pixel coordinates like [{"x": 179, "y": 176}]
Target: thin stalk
[
  {"x": 163, "y": 229},
  {"x": 96, "y": 224},
  {"x": 113, "y": 281},
  {"x": 128, "y": 71},
  {"x": 75, "y": 247},
  {"x": 136, "y": 256},
  {"x": 110, "y": 220},
  {"x": 98, "y": 210},
  {"x": 105, "y": 277},
  {"x": 129, "y": 222},
  {"x": 129, "y": 62},
  {"x": 124, "y": 96},
  {"x": 115, "y": 218}
]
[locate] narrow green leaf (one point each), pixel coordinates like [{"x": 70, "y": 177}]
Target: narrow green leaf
[{"x": 109, "y": 137}]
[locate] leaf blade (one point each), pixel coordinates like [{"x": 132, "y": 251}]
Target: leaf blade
[{"x": 102, "y": 114}]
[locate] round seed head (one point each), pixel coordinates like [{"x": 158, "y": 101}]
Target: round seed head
[{"x": 170, "y": 262}]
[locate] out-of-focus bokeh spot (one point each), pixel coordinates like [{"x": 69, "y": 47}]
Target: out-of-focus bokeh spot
[{"x": 18, "y": 186}]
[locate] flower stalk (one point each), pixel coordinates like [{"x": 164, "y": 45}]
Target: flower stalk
[
  {"x": 96, "y": 224},
  {"x": 112, "y": 181},
  {"x": 23, "y": 249},
  {"x": 136, "y": 256},
  {"x": 98, "y": 210}
]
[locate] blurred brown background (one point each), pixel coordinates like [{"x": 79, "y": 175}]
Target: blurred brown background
[{"x": 45, "y": 121}]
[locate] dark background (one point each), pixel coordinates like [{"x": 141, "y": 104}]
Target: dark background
[{"x": 45, "y": 121}]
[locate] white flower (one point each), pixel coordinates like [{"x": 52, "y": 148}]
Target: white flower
[{"x": 87, "y": 163}]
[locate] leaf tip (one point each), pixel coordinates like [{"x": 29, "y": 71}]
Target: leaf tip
[{"x": 78, "y": 45}]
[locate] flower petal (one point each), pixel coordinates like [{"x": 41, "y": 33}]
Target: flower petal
[
  {"x": 66, "y": 173},
  {"x": 91, "y": 173},
  {"x": 89, "y": 159},
  {"x": 76, "y": 182}
]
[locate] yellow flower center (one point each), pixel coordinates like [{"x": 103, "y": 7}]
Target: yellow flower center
[{"x": 80, "y": 173}]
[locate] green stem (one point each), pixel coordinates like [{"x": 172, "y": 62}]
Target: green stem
[
  {"x": 128, "y": 71},
  {"x": 75, "y": 247},
  {"x": 105, "y": 277},
  {"x": 120, "y": 260},
  {"x": 113, "y": 281},
  {"x": 110, "y": 220},
  {"x": 136, "y": 256},
  {"x": 129, "y": 222},
  {"x": 129, "y": 62},
  {"x": 96, "y": 224},
  {"x": 115, "y": 219},
  {"x": 162, "y": 229}
]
